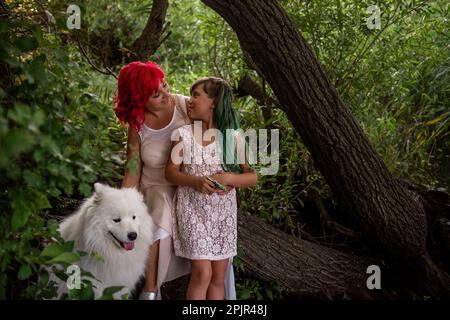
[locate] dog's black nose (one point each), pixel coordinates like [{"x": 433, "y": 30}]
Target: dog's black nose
[{"x": 132, "y": 236}]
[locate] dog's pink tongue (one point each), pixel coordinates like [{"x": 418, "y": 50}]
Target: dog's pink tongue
[{"x": 128, "y": 246}]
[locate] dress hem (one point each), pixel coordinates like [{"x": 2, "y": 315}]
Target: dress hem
[{"x": 203, "y": 257}]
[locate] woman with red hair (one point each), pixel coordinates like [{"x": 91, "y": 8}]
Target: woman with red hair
[{"x": 152, "y": 113}]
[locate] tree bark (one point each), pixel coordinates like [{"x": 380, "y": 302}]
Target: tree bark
[
  {"x": 151, "y": 37},
  {"x": 106, "y": 46},
  {"x": 300, "y": 267},
  {"x": 390, "y": 216}
]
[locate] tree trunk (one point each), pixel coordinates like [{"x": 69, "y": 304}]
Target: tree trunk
[
  {"x": 300, "y": 267},
  {"x": 152, "y": 35},
  {"x": 389, "y": 215}
]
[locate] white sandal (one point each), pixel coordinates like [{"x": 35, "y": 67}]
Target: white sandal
[{"x": 150, "y": 295}]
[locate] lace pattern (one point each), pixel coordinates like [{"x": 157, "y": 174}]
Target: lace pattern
[{"x": 204, "y": 225}]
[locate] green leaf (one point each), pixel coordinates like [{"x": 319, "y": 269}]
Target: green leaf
[
  {"x": 87, "y": 293},
  {"x": 26, "y": 43},
  {"x": 24, "y": 272},
  {"x": 85, "y": 189},
  {"x": 20, "y": 114},
  {"x": 37, "y": 69},
  {"x": 97, "y": 257},
  {"x": 61, "y": 58},
  {"x": 74, "y": 294},
  {"x": 17, "y": 141},
  {"x": 19, "y": 218},
  {"x": 68, "y": 246},
  {"x": 39, "y": 118},
  {"x": 53, "y": 250},
  {"x": 67, "y": 257},
  {"x": 41, "y": 201},
  {"x": 441, "y": 117},
  {"x": 245, "y": 294},
  {"x": 275, "y": 213},
  {"x": 259, "y": 295},
  {"x": 43, "y": 278},
  {"x": 108, "y": 293},
  {"x": 269, "y": 293}
]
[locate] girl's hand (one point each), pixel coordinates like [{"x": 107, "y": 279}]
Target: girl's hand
[
  {"x": 221, "y": 192},
  {"x": 223, "y": 179},
  {"x": 204, "y": 186}
]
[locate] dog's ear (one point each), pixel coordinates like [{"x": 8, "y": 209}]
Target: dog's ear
[{"x": 100, "y": 188}]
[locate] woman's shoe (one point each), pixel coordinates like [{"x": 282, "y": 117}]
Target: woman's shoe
[{"x": 150, "y": 295}]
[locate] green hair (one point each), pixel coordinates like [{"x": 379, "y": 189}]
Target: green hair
[{"x": 225, "y": 117}]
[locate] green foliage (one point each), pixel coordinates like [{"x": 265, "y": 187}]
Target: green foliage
[
  {"x": 395, "y": 80},
  {"x": 249, "y": 288},
  {"x": 109, "y": 292},
  {"x": 56, "y": 138},
  {"x": 252, "y": 289},
  {"x": 279, "y": 198}
]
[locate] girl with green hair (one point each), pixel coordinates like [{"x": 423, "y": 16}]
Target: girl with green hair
[{"x": 204, "y": 217}]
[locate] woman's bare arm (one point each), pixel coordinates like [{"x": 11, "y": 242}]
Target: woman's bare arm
[{"x": 132, "y": 178}]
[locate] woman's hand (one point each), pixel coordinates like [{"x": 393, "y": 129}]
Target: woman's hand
[{"x": 204, "y": 186}]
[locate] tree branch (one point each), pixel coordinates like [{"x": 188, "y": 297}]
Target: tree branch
[
  {"x": 152, "y": 35},
  {"x": 83, "y": 52}
]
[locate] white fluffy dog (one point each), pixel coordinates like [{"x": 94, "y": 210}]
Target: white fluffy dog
[{"x": 115, "y": 224}]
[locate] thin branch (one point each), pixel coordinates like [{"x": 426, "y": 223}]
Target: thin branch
[
  {"x": 359, "y": 56},
  {"x": 83, "y": 52}
]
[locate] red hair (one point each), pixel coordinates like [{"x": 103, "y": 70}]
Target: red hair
[{"x": 137, "y": 82}]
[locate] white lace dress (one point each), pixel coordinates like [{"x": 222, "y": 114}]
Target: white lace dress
[{"x": 204, "y": 225}]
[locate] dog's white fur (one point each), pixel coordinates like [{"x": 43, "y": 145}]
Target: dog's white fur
[{"x": 92, "y": 226}]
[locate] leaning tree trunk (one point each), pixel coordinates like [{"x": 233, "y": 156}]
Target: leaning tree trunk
[
  {"x": 391, "y": 217},
  {"x": 300, "y": 267}
]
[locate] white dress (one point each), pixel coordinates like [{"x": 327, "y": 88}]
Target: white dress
[
  {"x": 158, "y": 192},
  {"x": 204, "y": 225}
]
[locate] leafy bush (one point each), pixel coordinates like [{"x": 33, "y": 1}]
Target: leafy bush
[{"x": 56, "y": 139}]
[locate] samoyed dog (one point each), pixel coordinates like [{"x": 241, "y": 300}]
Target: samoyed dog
[{"x": 115, "y": 224}]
